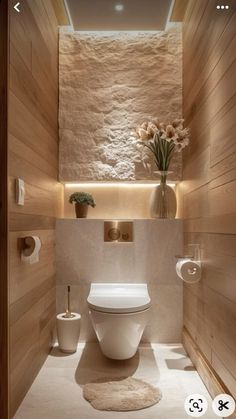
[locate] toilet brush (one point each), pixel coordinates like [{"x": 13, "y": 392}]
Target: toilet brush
[
  {"x": 68, "y": 314},
  {"x": 68, "y": 328}
]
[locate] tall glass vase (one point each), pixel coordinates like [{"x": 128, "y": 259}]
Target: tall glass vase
[{"x": 163, "y": 199}]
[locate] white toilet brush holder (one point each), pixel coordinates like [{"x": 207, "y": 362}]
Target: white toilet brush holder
[{"x": 68, "y": 329}]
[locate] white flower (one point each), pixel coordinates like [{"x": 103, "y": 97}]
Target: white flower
[
  {"x": 178, "y": 123},
  {"x": 143, "y": 134},
  {"x": 151, "y": 129},
  {"x": 170, "y": 131}
]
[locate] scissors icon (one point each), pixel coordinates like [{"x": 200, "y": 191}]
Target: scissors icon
[{"x": 222, "y": 405}]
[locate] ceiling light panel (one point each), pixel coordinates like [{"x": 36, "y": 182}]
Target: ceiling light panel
[{"x": 113, "y": 15}]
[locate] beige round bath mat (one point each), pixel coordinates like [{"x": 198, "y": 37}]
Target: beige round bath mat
[{"x": 124, "y": 395}]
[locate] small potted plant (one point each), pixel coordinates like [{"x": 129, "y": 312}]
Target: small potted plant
[{"x": 82, "y": 201}]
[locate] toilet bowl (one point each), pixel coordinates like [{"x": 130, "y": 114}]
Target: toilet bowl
[{"x": 119, "y": 314}]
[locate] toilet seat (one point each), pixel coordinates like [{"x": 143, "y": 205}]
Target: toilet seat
[
  {"x": 118, "y": 310},
  {"x": 120, "y": 298}
]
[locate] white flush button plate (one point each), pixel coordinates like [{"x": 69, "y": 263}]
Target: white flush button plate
[{"x": 20, "y": 192}]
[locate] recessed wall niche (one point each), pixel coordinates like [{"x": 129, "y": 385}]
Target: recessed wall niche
[{"x": 109, "y": 84}]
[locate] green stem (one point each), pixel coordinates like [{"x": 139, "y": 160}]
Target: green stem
[{"x": 163, "y": 179}]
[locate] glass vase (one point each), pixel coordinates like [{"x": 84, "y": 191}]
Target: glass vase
[{"x": 163, "y": 199}]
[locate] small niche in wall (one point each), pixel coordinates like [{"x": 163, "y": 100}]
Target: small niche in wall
[{"x": 118, "y": 201}]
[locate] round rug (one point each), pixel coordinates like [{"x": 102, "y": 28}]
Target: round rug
[{"x": 121, "y": 395}]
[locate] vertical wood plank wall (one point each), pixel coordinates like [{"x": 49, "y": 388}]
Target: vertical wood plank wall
[
  {"x": 210, "y": 181},
  {"x": 33, "y": 156},
  {"x": 3, "y": 211}
]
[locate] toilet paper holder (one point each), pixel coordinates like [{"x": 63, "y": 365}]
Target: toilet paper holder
[
  {"x": 30, "y": 248},
  {"x": 191, "y": 263},
  {"x": 184, "y": 257},
  {"x": 194, "y": 253}
]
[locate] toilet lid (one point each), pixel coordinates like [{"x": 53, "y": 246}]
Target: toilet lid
[{"x": 119, "y": 298}]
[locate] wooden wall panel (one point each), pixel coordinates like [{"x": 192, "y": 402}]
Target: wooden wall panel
[
  {"x": 33, "y": 156},
  {"x": 3, "y": 211},
  {"x": 61, "y": 12},
  {"x": 213, "y": 382},
  {"x": 179, "y": 10},
  {"x": 209, "y": 187}
]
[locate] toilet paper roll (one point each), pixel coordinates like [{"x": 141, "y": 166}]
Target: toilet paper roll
[
  {"x": 188, "y": 270},
  {"x": 31, "y": 252}
]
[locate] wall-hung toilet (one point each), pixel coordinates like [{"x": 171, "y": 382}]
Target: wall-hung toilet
[{"x": 119, "y": 314}]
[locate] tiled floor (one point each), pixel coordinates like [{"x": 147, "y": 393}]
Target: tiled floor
[{"x": 57, "y": 391}]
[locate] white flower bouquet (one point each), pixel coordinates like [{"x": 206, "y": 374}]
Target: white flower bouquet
[{"x": 163, "y": 140}]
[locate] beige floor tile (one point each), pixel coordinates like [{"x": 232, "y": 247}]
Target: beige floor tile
[{"x": 57, "y": 391}]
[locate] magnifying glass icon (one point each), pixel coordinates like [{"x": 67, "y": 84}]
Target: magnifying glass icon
[{"x": 195, "y": 405}]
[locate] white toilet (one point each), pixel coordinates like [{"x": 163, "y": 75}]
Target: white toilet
[{"x": 119, "y": 314}]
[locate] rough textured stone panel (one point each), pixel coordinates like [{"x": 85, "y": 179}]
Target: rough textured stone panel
[{"x": 109, "y": 84}]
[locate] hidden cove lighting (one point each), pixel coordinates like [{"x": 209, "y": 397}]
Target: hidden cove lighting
[{"x": 114, "y": 184}]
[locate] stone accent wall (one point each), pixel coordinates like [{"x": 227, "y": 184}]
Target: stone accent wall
[{"x": 109, "y": 84}]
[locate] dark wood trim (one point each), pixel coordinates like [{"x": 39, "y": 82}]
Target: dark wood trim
[{"x": 3, "y": 210}]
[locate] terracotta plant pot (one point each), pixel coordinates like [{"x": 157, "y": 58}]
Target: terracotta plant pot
[{"x": 81, "y": 210}]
